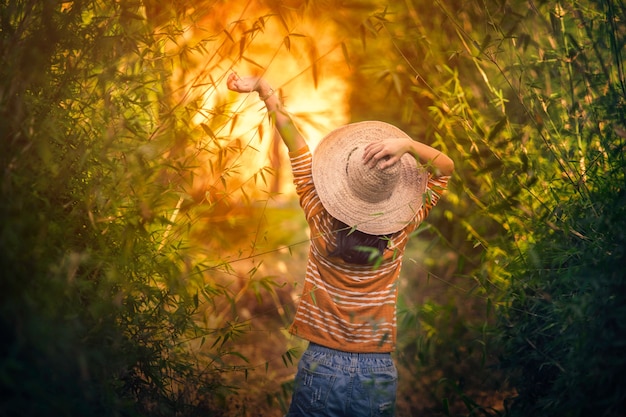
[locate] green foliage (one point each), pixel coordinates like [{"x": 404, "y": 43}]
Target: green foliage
[
  {"x": 98, "y": 303},
  {"x": 425, "y": 81},
  {"x": 562, "y": 326},
  {"x": 529, "y": 102},
  {"x": 538, "y": 127},
  {"x": 118, "y": 207},
  {"x": 564, "y": 329},
  {"x": 122, "y": 214}
]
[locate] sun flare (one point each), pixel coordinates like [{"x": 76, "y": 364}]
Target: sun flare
[{"x": 303, "y": 62}]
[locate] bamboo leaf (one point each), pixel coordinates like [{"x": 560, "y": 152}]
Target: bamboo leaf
[
  {"x": 497, "y": 128},
  {"x": 346, "y": 55},
  {"x": 283, "y": 21},
  {"x": 245, "y": 58},
  {"x": 485, "y": 43},
  {"x": 242, "y": 45},
  {"x": 229, "y": 36},
  {"x": 314, "y": 58},
  {"x": 208, "y": 131},
  {"x": 363, "y": 36}
]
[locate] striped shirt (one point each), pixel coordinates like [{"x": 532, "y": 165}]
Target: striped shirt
[{"x": 346, "y": 306}]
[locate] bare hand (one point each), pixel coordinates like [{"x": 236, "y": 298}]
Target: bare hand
[
  {"x": 242, "y": 84},
  {"x": 391, "y": 148}
]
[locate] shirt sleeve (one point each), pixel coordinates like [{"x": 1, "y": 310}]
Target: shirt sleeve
[
  {"x": 437, "y": 185},
  {"x": 301, "y": 161},
  {"x": 435, "y": 188}
]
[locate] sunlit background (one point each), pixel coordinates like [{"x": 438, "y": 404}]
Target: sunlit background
[
  {"x": 302, "y": 59},
  {"x": 153, "y": 249}
]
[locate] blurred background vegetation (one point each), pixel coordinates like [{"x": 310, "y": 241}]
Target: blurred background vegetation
[{"x": 152, "y": 249}]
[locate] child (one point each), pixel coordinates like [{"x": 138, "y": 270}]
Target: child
[{"x": 364, "y": 190}]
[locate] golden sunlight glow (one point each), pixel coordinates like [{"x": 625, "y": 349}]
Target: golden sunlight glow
[{"x": 292, "y": 66}]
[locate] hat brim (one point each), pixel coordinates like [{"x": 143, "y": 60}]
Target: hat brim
[{"x": 330, "y": 177}]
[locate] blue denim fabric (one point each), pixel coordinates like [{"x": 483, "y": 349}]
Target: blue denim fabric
[{"x": 333, "y": 383}]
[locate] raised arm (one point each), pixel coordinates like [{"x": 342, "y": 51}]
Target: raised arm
[
  {"x": 287, "y": 130},
  {"x": 394, "y": 148}
]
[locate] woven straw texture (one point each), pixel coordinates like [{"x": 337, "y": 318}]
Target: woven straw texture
[{"x": 372, "y": 200}]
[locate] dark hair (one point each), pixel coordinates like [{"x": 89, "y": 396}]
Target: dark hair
[{"x": 356, "y": 247}]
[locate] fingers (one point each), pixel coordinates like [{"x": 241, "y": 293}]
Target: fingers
[
  {"x": 389, "y": 162},
  {"x": 241, "y": 85},
  {"x": 231, "y": 81},
  {"x": 391, "y": 150},
  {"x": 376, "y": 151},
  {"x": 372, "y": 153}
]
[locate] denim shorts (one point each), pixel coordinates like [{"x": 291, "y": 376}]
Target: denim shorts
[{"x": 333, "y": 383}]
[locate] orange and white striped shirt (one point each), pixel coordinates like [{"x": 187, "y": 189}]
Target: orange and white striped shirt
[{"x": 346, "y": 306}]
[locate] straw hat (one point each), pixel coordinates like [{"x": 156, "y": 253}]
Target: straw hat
[{"x": 375, "y": 201}]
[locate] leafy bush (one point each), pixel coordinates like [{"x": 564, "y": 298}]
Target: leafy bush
[
  {"x": 563, "y": 327},
  {"x": 96, "y": 303},
  {"x": 558, "y": 194},
  {"x": 529, "y": 101},
  {"x": 118, "y": 205}
]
